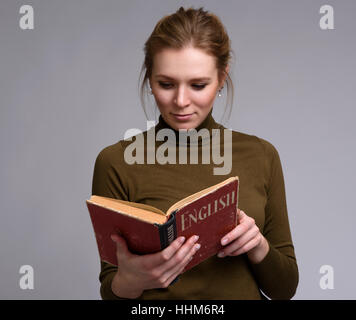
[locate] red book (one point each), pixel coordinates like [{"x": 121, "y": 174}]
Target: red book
[{"x": 210, "y": 213}]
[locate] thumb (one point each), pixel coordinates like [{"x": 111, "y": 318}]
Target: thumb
[
  {"x": 240, "y": 215},
  {"x": 121, "y": 246}
]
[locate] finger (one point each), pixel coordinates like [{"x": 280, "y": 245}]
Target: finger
[
  {"x": 170, "y": 279},
  {"x": 121, "y": 246},
  {"x": 247, "y": 247},
  {"x": 180, "y": 262},
  {"x": 166, "y": 254},
  {"x": 175, "y": 274},
  {"x": 237, "y": 231},
  {"x": 166, "y": 268},
  {"x": 241, "y": 241},
  {"x": 241, "y": 215}
]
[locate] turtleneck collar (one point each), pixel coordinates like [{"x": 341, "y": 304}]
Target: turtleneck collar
[{"x": 208, "y": 123}]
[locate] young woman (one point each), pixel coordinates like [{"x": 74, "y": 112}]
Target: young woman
[{"x": 186, "y": 66}]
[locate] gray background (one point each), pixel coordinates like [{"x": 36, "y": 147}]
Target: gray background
[{"x": 68, "y": 88}]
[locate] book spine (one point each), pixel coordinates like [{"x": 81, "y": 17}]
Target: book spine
[{"x": 168, "y": 231}]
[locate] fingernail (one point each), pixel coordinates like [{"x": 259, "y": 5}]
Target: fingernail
[
  {"x": 196, "y": 238},
  {"x": 221, "y": 254},
  {"x": 224, "y": 241},
  {"x": 181, "y": 239},
  {"x": 112, "y": 238},
  {"x": 197, "y": 247}
]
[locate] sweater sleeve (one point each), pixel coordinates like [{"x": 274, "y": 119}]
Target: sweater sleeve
[
  {"x": 277, "y": 274},
  {"x": 107, "y": 182}
]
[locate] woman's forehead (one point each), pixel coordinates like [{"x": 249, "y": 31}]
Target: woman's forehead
[{"x": 190, "y": 63}]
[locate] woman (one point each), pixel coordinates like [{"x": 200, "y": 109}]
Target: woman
[{"x": 187, "y": 63}]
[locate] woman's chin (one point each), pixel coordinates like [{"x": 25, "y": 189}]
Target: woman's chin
[{"x": 182, "y": 126}]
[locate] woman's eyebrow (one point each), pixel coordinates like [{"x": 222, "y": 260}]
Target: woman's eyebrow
[{"x": 194, "y": 79}]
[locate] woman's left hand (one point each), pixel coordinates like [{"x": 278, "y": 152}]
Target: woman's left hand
[{"x": 245, "y": 238}]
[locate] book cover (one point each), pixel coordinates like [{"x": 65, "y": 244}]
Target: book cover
[{"x": 210, "y": 213}]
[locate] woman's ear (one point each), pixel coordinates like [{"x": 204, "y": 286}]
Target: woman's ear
[{"x": 224, "y": 76}]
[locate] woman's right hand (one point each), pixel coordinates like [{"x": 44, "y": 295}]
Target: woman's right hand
[{"x": 137, "y": 273}]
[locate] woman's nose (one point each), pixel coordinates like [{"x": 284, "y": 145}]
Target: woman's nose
[{"x": 182, "y": 97}]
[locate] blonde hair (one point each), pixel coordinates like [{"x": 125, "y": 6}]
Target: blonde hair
[{"x": 189, "y": 28}]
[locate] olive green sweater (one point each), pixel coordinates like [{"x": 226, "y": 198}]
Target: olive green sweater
[{"x": 261, "y": 196}]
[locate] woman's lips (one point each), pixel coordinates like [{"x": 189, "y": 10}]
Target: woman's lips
[{"x": 182, "y": 117}]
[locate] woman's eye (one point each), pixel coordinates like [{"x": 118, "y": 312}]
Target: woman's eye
[
  {"x": 199, "y": 86},
  {"x": 169, "y": 85},
  {"x": 165, "y": 85}
]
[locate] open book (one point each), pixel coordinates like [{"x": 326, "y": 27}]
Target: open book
[{"x": 210, "y": 213}]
